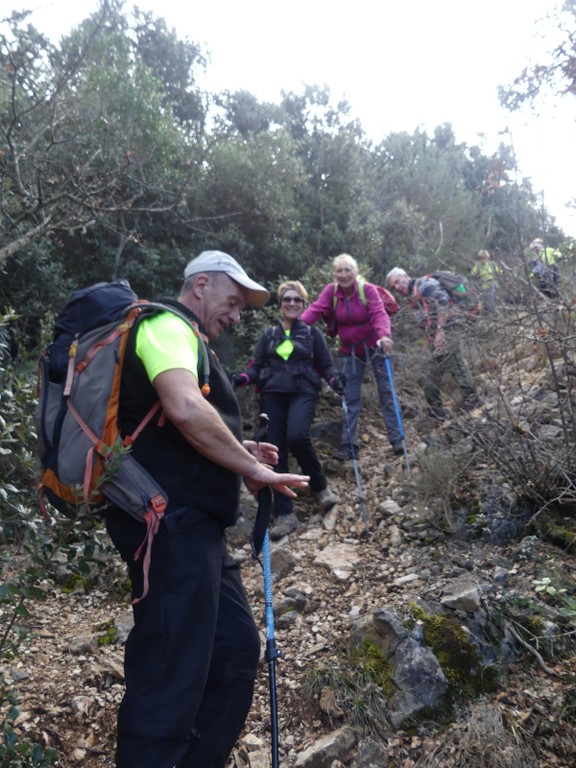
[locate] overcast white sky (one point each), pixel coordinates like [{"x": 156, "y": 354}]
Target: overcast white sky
[{"x": 400, "y": 65}]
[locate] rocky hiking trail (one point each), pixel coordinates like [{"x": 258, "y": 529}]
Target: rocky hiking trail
[{"x": 329, "y": 577}]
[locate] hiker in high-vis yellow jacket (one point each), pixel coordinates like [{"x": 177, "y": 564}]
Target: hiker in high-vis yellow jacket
[
  {"x": 486, "y": 272},
  {"x": 544, "y": 264}
]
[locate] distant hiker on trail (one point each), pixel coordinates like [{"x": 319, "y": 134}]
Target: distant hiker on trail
[
  {"x": 544, "y": 265},
  {"x": 441, "y": 324},
  {"x": 288, "y": 363},
  {"x": 354, "y": 311},
  {"x": 486, "y": 272},
  {"x": 191, "y": 658}
]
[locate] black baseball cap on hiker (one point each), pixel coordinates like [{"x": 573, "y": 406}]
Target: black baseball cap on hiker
[{"x": 218, "y": 261}]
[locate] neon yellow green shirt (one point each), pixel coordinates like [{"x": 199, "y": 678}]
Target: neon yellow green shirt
[
  {"x": 165, "y": 342},
  {"x": 285, "y": 349},
  {"x": 487, "y": 272}
]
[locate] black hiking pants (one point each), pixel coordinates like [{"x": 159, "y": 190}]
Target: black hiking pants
[
  {"x": 191, "y": 658},
  {"x": 291, "y": 415}
]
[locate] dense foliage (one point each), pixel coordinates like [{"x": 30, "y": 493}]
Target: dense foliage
[{"x": 114, "y": 163}]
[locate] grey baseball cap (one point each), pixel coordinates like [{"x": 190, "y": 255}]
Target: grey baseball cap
[{"x": 218, "y": 261}]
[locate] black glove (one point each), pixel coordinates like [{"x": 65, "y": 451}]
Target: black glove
[
  {"x": 239, "y": 379},
  {"x": 338, "y": 383}
]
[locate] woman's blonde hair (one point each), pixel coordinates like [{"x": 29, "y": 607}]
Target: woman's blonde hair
[
  {"x": 292, "y": 285},
  {"x": 483, "y": 254},
  {"x": 344, "y": 259}
]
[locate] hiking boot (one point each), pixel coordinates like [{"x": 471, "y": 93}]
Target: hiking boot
[
  {"x": 346, "y": 453},
  {"x": 397, "y": 449},
  {"x": 285, "y": 524},
  {"x": 327, "y": 499}
]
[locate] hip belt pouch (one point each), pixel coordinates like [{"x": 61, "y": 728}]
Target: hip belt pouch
[{"x": 135, "y": 491}]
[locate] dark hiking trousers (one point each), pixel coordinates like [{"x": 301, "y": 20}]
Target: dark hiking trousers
[
  {"x": 448, "y": 361},
  {"x": 354, "y": 368},
  {"x": 291, "y": 415},
  {"x": 191, "y": 658}
]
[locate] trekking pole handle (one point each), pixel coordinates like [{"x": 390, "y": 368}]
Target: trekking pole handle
[{"x": 262, "y": 431}]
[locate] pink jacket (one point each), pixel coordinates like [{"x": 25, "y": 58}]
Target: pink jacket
[{"x": 357, "y": 325}]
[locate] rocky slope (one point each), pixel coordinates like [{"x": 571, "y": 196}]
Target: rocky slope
[{"x": 424, "y": 537}]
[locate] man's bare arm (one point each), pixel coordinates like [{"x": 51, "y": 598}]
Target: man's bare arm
[{"x": 203, "y": 427}]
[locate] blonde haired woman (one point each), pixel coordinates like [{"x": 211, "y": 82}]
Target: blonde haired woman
[
  {"x": 363, "y": 327},
  {"x": 285, "y": 368}
]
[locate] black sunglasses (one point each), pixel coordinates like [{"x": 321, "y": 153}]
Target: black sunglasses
[{"x": 292, "y": 300}]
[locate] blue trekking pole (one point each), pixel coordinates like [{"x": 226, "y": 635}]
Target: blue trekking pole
[
  {"x": 260, "y": 541},
  {"x": 397, "y": 410},
  {"x": 355, "y": 464}
]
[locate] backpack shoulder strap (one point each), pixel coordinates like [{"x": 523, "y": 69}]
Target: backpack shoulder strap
[
  {"x": 273, "y": 338},
  {"x": 362, "y": 290},
  {"x": 420, "y": 282},
  {"x": 149, "y": 308},
  {"x": 309, "y": 332}
]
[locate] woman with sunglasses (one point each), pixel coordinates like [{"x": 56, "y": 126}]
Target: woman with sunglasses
[{"x": 285, "y": 368}]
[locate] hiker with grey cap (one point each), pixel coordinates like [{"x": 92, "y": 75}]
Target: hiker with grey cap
[{"x": 192, "y": 656}]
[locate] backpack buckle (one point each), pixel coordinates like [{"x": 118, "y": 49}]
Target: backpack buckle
[{"x": 158, "y": 504}]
